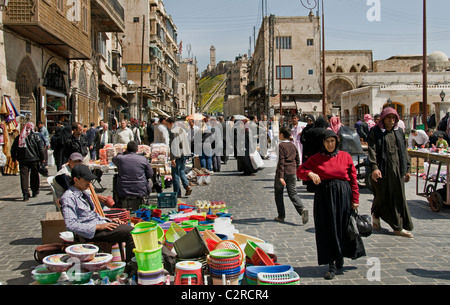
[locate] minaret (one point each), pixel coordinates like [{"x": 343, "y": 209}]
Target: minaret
[{"x": 212, "y": 59}]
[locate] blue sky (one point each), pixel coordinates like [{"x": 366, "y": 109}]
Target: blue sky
[{"x": 228, "y": 25}]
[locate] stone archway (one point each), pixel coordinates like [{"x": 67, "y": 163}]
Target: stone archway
[
  {"x": 26, "y": 85},
  {"x": 335, "y": 88}
]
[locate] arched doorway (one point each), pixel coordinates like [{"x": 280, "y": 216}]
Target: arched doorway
[
  {"x": 335, "y": 88},
  {"x": 26, "y": 87}
]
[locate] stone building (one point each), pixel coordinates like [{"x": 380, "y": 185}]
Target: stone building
[
  {"x": 160, "y": 59},
  {"x": 189, "y": 80},
  {"x": 236, "y": 89},
  {"x": 50, "y": 73},
  {"x": 287, "y": 48}
]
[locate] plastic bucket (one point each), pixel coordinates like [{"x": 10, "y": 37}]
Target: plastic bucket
[
  {"x": 174, "y": 233},
  {"x": 149, "y": 260},
  {"x": 145, "y": 236}
]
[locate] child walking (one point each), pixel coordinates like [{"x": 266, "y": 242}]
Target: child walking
[{"x": 288, "y": 161}]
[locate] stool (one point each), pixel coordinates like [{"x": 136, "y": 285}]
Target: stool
[{"x": 186, "y": 269}]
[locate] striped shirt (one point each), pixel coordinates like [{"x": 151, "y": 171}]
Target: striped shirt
[{"x": 79, "y": 213}]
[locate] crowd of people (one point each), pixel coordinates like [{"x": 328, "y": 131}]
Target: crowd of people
[{"x": 308, "y": 151}]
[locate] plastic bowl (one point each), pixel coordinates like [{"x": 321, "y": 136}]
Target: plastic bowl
[
  {"x": 58, "y": 262},
  {"x": 79, "y": 277},
  {"x": 252, "y": 271},
  {"x": 83, "y": 252},
  {"x": 112, "y": 270},
  {"x": 43, "y": 276},
  {"x": 99, "y": 262}
]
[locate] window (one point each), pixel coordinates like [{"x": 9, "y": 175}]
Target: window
[
  {"x": 283, "y": 42},
  {"x": 310, "y": 42},
  {"x": 85, "y": 16},
  {"x": 286, "y": 72},
  {"x": 136, "y": 19},
  {"x": 60, "y": 5},
  {"x": 310, "y": 72}
]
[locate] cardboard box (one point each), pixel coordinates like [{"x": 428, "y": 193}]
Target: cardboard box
[
  {"x": 414, "y": 165},
  {"x": 51, "y": 226}
]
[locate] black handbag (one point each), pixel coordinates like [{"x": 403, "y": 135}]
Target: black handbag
[
  {"x": 359, "y": 225},
  {"x": 43, "y": 170}
]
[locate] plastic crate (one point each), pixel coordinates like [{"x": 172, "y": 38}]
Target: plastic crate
[{"x": 167, "y": 200}]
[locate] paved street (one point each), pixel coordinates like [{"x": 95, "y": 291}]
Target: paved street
[{"x": 422, "y": 260}]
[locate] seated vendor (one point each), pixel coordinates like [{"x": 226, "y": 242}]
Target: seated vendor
[
  {"x": 134, "y": 174},
  {"x": 61, "y": 182},
  {"x": 80, "y": 216}
]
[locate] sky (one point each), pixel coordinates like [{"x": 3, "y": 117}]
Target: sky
[{"x": 387, "y": 27}]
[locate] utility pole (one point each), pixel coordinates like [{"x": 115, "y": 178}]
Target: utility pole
[
  {"x": 324, "y": 89},
  {"x": 425, "y": 68},
  {"x": 141, "y": 103}
]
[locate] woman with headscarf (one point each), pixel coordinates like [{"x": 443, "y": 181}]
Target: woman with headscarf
[
  {"x": 313, "y": 144},
  {"x": 337, "y": 195},
  {"x": 28, "y": 149},
  {"x": 245, "y": 145},
  {"x": 309, "y": 125},
  {"x": 335, "y": 124},
  {"x": 390, "y": 163}
]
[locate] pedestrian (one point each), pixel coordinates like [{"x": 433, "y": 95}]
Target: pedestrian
[
  {"x": 77, "y": 142},
  {"x": 390, "y": 164},
  {"x": 309, "y": 125},
  {"x": 90, "y": 134},
  {"x": 66, "y": 133},
  {"x": 313, "y": 145},
  {"x": 28, "y": 150},
  {"x": 207, "y": 149},
  {"x": 136, "y": 132},
  {"x": 143, "y": 133},
  {"x": 369, "y": 121},
  {"x": 285, "y": 176},
  {"x": 336, "y": 197},
  {"x": 179, "y": 151},
  {"x": 244, "y": 147},
  {"x": 151, "y": 132},
  {"x": 335, "y": 125},
  {"x": 45, "y": 136},
  {"x": 102, "y": 137},
  {"x": 57, "y": 147},
  {"x": 123, "y": 134},
  {"x": 80, "y": 216},
  {"x": 296, "y": 135}
]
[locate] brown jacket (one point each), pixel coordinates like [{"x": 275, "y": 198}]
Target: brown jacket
[{"x": 288, "y": 159}]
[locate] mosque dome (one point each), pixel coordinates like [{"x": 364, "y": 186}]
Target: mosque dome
[{"x": 437, "y": 57}]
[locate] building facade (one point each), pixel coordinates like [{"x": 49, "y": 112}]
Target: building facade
[
  {"x": 287, "y": 56},
  {"x": 188, "y": 78}
]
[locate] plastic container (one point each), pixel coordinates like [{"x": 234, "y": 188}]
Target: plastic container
[
  {"x": 83, "y": 252},
  {"x": 79, "y": 277},
  {"x": 251, "y": 272},
  {"x": 242, "y": 238},
  {"x": 224, "y": 254},
  {"x": 155, "y": 277},
  {"x": 284, "y": 278},
  {"x": 58, "y": 262},
  {"x": 261, "y": 258},
  {"x": 145, "y": 236},
  {"x": 167, "y": 200},
  {"x": 100, "y": 261},
  {"x": 44, "y": 276},
  {"x": 150, "y": 260},
  {"x": 250, "y": 248},
  {"x": 191, "y": 245},
  {"x": 112, "y": 270}
]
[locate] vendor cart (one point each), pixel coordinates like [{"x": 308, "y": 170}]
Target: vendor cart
[{"x": 436, "y": 197}]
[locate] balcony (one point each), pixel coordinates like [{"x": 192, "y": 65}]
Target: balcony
[
  {"x": 109, "y": 15},
  {"x": 41, "y": 22}
]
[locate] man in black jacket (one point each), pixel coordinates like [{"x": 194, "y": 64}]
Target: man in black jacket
[
  {"x": 28, "y": 149},
  {"x": 77, "y": 142}
]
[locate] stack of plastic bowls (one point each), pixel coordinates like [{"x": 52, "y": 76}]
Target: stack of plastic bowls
[{"x": 225, "y": 265}]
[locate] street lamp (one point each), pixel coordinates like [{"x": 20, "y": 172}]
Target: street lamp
[
  {"x": 389, "y": 102},
  {"x": 3, "y": 4},
  {"x": 442, "y": 95}
]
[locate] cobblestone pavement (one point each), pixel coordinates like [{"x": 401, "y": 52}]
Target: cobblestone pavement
[{"x": 423, "y": 260}]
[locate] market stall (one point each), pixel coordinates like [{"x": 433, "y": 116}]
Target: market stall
[
  {"x": 436, "y": 197},
  {"x": 186, "y": 245}
]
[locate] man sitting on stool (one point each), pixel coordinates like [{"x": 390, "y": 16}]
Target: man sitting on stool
[
  {"x": 81, "y": 218},
  {"x": 134, "y": 177}
]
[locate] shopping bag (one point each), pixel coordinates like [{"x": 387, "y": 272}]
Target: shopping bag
[{"x": 256, "y": 160}]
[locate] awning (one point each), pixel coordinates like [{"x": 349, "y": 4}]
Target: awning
[{"x": 160, "y": 112}]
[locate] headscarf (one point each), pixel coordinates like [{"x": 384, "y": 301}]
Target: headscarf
[
  {"x": 335, "y": 124},
  {"x": 27, "y": 129},
  {"x": 328, "y": 134},
  {"x": 321, "y": 122},
  {"x": 384, "y": 113},
  {"x": 368, "y": 119}
]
